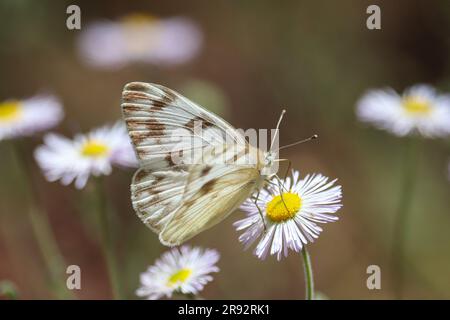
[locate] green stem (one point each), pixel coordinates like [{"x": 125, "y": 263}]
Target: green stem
[
  {"x": 42, "y": 230},
  {"x": 309, "y": 280},
  {"x": 50, "y": 251},
  {"x": 107, "y": 239},
  {"x": 403, "y": 214}
]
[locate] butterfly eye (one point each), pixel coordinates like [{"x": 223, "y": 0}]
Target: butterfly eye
[{"x": 269, "y": 158}]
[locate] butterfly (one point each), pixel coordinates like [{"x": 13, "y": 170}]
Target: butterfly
[{"x": 187, "y": 182}]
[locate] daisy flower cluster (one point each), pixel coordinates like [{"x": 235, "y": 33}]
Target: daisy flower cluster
[
  {"x": 291, "y": 214},
  {"x": 29, "y": 116},
  {"x": 182, "y": 270},
  {"x": 419, "y": 109},
  {"x": 93, "y": 153},
  {"x": 140, "y": 38}
]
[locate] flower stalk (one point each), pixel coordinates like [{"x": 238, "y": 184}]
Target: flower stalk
[
  {"x": 42, "y": 230},
  {"x": 107, "y": 240},
  {"x": 309, "y": 279},
  {"x": 402, "y": 218}
]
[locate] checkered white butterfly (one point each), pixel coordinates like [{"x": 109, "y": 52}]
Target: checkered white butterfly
[{"x": 178, "y": 194}]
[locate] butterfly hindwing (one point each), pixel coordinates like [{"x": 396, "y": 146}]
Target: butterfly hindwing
[
  {"x": 156, "y": 194},
  {"x": 214, "y": 201}
]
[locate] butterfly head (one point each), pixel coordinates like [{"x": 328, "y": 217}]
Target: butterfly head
[{"x": 269, "y": 167}]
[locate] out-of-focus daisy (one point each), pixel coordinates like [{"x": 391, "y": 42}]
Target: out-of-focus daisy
[
  {"x": 93, "y": 153},
  {"x": 140, "y": 37},
  {"x": 418, "y": 109},
  {"x": 185, "y": 270},
  {"x": 26, "y": 117},
  {"x": 291, "y": 217}
]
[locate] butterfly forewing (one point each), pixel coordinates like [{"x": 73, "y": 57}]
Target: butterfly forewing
[{"x": 161, "y": 121}]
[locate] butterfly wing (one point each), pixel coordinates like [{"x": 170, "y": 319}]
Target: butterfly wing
[
  {"x": 161, "y": 123},
  {"x": 156, "y": 194},
  {"x": 213, "y": 198}
]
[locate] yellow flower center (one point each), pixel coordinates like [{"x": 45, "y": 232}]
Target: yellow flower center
[
  {"x": 138, "y": 19},
  {"x": 416, "y": 106},
  {"x": 283, "y": 208},
  {"x": 179, "y": 276},
  {"x": 10, "y": 110},
  {"x": 94, "y": 149},
  {"x": 137, "y": 36}
]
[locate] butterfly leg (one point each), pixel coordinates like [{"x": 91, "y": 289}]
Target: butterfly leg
[
  {"x": 281, "y": 187},
  {"x": 260, "y": 212},
  {"x": 280, "y": 184},
  {"x": 288, "y": 167}
]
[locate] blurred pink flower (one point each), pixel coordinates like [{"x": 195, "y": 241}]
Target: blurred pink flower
[
  {"x": 140, "y": 38},
  {"x": 26, "y": 117},
  {"x": 420, "y": 109}
]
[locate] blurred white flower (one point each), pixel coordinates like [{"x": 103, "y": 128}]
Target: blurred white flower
[
  {"x": 185, "y": 270},
  {"x": 419, "y": 109},
  {"x": 140, "y": 38},
  {"x": 93, "y": 153},
  {"x": 291, "y": 217},
  {"x": 26, "y": 117}
]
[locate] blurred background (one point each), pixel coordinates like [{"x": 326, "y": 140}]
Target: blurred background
[{"x": 314, "y": 58}]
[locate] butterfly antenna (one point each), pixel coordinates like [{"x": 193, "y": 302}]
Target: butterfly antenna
[
  {"x": 277, "y": 128},
  {"x": 313, "y": 137}
]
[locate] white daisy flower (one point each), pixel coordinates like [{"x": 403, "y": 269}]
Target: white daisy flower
[
  {"x": 291, "y": 218},
  {"x": 185, "y": 270},
  {"x": 419, "y": 109},
  {"x": 140, "y": 38},
  {"x": 93, "y": 153},
  {"x": 26, "y": 117}
]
